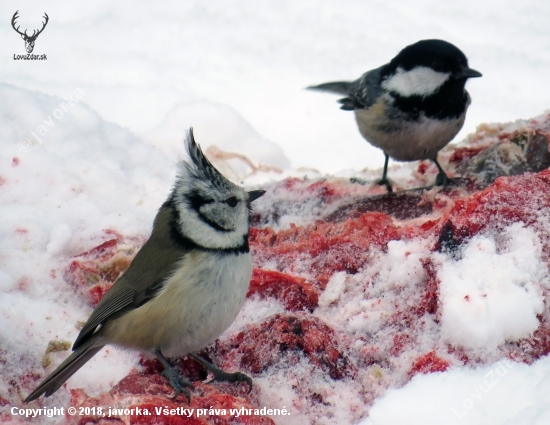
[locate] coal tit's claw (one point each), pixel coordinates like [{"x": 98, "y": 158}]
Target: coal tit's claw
[
  {"x": 442, "y": 180},
  {"x": 385, "y": 182}
]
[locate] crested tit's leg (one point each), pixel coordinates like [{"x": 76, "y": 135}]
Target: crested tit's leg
[
  {"x": 220, "y": 375},
  {"x": 442, "y": 179},
  {"x": 176, "y": 381},
  {"x": 384, "y": 180}
]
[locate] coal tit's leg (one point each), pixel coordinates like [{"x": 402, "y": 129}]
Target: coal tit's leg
[
  {"x": 384, "y": 180},
  {"x": 178, "y": 383},
  {"x": 441, "y": 179},
  {"x": 220, "y": 375}
]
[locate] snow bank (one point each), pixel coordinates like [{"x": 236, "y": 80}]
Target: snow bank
[
  {"x": 492, "y": 294},
  {"x": 219, "y": 127},
  {"x": 503, "y": 393},
  {"x": 66, "y": 176}
]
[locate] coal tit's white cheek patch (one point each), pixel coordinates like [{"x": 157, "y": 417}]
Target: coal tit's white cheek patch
[
  {"x": 491, "y": 295},
  {"x": 419, "y": 81}
]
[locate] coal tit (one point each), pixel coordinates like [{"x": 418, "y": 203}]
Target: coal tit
[{"x": 413, "y": 106}]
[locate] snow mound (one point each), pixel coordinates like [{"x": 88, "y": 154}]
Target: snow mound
[
  {"x": 222, "y": 128},
  {"x": 491, "y": 294}
]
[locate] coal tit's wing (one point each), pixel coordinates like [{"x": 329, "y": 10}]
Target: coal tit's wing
[{"x": 364, "y": 92}]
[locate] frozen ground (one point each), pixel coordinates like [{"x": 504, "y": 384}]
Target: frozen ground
[{"x": 234, "y": 70}]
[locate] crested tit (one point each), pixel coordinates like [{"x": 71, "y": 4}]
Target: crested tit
[
  {"x": 186, "y": 284},
  {"x": 413, "y": 106}
]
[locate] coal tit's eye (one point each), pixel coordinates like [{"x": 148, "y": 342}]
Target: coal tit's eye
[
  {"x": 438, "y": 66},
  {"x": 232, "y": 202}
]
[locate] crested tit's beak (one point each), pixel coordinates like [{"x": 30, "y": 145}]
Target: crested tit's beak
[
  {"x": 468, "y": 73},
  {"x": 255, "y": 194}
]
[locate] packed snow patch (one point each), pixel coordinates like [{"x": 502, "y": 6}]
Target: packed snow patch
[
  {"x": 334, "y": 289},
  {"x": 63, "y": 179},
  {"x": 225, "y": 136},
  {"x": 491, "y": 295},
  {"x": 401, "y": 266},
  {"x": 463, "y": 396}
]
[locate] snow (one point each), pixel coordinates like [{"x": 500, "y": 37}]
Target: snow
[
  {"x": 229, "y": 126},
  {"x": 334, "y": 289},
  {"x": 504, "y": 393},
  {"x": 377, "y": 310},
  {"x": 490, "y": 296},
  {"x": 137, "y": 60},
  {"x": 50, "y": 195},
  {"x": 280, "y": 391},
  {"x": 410, "y": 271},
  {"x": 91, "y": 138}
]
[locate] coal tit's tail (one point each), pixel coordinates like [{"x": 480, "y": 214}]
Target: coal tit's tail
[
  {"x": 65, "y": 370},
  {"x": 339, "y": 87}
]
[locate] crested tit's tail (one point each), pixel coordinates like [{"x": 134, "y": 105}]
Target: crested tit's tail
[{"x": 66, "y": 369}]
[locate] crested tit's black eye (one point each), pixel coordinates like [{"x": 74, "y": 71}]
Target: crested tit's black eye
[{"x": 232, "y": 202}]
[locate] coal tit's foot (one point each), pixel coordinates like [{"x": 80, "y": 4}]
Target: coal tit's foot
[
  {"x": 220, "y": 375},
  {"x": 385, "y": 182},
  {"x": 442, "y": 180},
  {"x": 178, "y": 383}
]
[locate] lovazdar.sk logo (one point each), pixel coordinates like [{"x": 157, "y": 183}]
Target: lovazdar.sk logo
[{"x": 29, "y": 39}]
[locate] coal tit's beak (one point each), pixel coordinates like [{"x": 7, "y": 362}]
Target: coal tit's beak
[
  {"x": 468, "y": 73},
  {"x": 255, "y": 194}
]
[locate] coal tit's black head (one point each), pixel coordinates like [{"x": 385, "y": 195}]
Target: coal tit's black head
[
  {"x": 423, "y": 67},
  {"x": 438, "y": 55}
]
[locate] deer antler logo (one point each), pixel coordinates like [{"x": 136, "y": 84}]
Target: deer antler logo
[{"x": 29, "y": 39}]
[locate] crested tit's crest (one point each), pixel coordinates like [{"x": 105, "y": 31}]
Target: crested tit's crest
[{"x": 213, "y": 212}]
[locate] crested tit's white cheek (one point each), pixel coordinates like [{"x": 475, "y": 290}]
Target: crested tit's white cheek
[
  {"x": 195, "y": 228},
  {"x": 419, "y": 81}
]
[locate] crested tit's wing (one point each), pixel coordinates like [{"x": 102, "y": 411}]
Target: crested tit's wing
[{"x": 154, "y": 263}]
